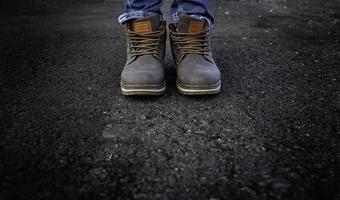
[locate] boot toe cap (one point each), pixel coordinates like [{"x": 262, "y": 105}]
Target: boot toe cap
[
  {"x": 199, "y": 78},
  {"x": 142, "y": 78}
]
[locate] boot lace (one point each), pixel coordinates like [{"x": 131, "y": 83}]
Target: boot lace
[
  {"x": 191, "y": 43},
  {"x": 145, "y": 43}
]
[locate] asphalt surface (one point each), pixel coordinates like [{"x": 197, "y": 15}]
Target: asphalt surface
[{"x": 68, "y": 133}]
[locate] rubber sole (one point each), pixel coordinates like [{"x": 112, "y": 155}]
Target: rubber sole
[
  {"x": 139, "y": 90},
  {"x": 187, "y": 90}
]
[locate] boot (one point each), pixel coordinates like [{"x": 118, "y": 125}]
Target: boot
[
  {"x": 143, "y": 73},
  {"x": 197, "y": 73}
]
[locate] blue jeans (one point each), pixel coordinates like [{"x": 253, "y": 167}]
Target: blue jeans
[{"x": 144, "y": 8}]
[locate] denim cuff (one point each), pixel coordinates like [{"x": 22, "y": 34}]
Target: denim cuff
[
  {"x": 134, "y": 15},
  {"x": 210, "y": 24},
  {"x": 175, "y": 19}
]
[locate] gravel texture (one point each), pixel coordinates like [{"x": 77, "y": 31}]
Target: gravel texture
[{"x": 68, "y": 133}]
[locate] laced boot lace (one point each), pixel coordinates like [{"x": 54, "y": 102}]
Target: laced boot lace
[
  {"x": 191, "y": 43},
  {"x": 145, "y": 43}
]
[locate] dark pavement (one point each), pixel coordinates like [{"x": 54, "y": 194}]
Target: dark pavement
[{"x": 68, "y": 133}]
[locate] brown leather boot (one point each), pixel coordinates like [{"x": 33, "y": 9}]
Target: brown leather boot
[
  {"x": 143, "y": 73},
  {"x": 197, "y": 73}
]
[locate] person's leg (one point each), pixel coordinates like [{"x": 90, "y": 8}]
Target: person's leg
[
  {"x": 134, "y": 9},
  {"x": 143, "y": 73},
  {"x": 195, "y": 8},
  {"x": 197, "y": 73}
]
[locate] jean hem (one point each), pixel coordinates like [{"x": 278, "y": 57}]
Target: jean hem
[
  {"x": 134, "y": 15},
  {"x": 175, "y": 18}
]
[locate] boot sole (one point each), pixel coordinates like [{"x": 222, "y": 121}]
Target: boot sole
[
  {"x": 140, "y": 90},
  {"x": 187, "y": 90}
]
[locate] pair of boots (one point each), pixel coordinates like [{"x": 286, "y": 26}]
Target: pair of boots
[{"x": 143, "y": 74}]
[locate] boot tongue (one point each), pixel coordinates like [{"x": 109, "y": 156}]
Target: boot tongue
[
  {"x": 188, "y": 24},
  {"x": 147, "y": 24}
]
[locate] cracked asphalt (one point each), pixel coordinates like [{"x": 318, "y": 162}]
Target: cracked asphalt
[{"x": 68, "y": 133}]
